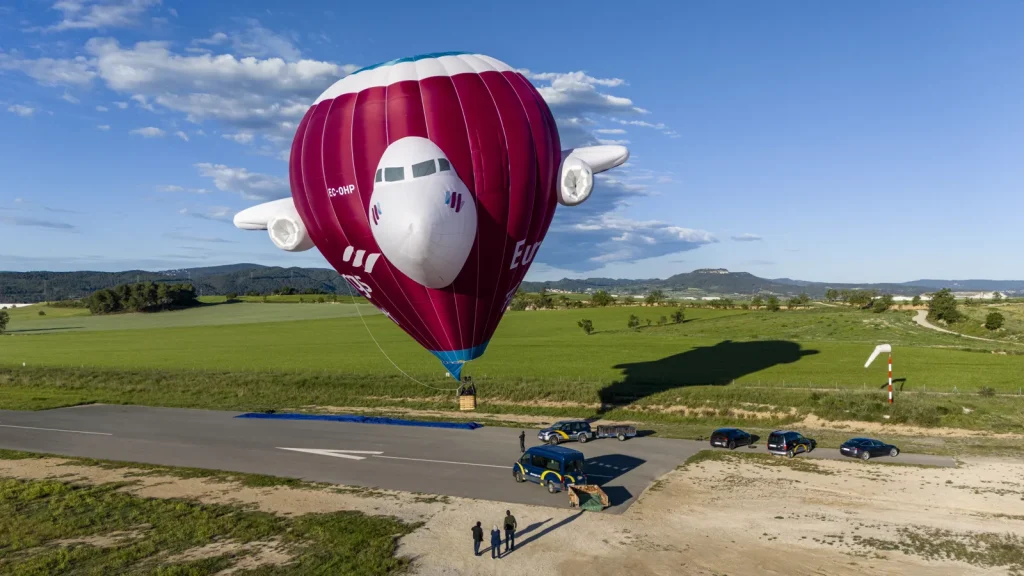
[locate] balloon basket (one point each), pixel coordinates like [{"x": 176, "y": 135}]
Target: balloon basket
[{"x": 467, "y": 402}]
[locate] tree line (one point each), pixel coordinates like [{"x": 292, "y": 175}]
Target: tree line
[{"x": 142, "y": 297}]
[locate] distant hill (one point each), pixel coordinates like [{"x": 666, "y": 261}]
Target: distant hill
[
  {"x": 721, "y": 282},
  {"x": 239, "y": 278},
  {"x": 972, "y": 285},
  {"x": 17, "y": 287}
]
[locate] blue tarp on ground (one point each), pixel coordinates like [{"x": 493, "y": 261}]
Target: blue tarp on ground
[{"x": 362, "y": 420}]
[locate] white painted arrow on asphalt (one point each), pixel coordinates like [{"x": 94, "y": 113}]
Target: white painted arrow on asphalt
[{"x": 350, "y": 454}]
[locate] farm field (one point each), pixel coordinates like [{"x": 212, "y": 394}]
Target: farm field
[
  {"x": 27, "y": 320},
  {"x": 725, "y": 366}
]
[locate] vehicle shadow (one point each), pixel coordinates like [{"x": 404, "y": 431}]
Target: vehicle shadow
[
  {"x": 716, "y": 365},
  {"x": 602, "y": 470}
]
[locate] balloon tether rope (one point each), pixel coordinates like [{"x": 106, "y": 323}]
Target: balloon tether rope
[{"x": 397, "y": 367}]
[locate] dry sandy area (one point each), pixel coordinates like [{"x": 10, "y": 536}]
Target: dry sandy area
[{"x": 732, "y": 516}]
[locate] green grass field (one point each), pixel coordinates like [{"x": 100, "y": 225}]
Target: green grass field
[
  {"x": 50, "y": 527},
  {"x": 27, "y": 320},
  {"x": 258, "y": 356},
  {"x": 974, "y": 325}
]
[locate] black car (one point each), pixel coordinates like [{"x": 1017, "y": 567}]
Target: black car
[
  {"x": 865, "y": 448},
  {"x": 730, "y": 438},
  {"x": 789, "y": 443}
]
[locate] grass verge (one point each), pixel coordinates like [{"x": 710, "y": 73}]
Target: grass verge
[{"x": 49, "y": 527}]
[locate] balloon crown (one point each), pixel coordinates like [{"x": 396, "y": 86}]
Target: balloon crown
[{"x": 409, "y": 59}]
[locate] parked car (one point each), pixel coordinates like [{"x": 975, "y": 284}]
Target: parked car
[
  {"x": 566, "y": 431},
  {"x": 730, "y": 438},
  {"x": 865, "y": 448},
  {"x": 789, "y": 443},
  {"x": 554, "y": 467},
  {"x": 619, "y": 431}
]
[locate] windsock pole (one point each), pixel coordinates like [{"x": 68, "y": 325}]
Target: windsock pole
[{"x": 890, "y": 378}]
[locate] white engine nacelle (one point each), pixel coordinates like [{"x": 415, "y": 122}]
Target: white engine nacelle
[
  {"x": 575, "y": 181},
  {"x": 576, "y": 174},
  {"x": 289, "y": 234},
  {"x": 281, "y": 221}
]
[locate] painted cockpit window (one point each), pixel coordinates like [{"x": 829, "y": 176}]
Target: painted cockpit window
[
  {"x": 420, "y": 169},
  {"x": 425, "y": 168}
]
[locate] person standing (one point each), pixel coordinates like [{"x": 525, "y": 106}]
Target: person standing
[
  {"x": 495, "y": 542},
  {"x": 522, "y": 441},
  {"x": 510, "y": 531},
  {"x": 478, "y": 538}
]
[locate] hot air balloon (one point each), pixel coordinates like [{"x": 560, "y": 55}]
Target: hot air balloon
[{"x": 429, "y": 184}]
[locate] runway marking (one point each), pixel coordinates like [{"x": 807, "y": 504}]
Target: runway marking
[
  {"x": 56, "y": 430},
  {"x": 442, "y": 461},
  {"x": 349, "y": 454}
]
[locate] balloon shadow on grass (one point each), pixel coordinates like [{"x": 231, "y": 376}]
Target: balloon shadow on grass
[{"x": 717, "y": 365}]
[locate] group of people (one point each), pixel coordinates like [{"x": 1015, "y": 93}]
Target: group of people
[{"x": 510, "y": 536}]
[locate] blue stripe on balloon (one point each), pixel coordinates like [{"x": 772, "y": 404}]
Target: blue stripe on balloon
[{"x": 453, "y": 360}]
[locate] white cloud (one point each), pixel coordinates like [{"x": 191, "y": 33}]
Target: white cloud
[
  {"x": 610, "y": 237},
  {"x": 103, "y": 127},
  {"x": 216, "y": 40},
  {"x": 241, "y": 137},
  {"x": 250, "y": 185},
  {"x": 173, "y": 188},
  {"x": 215, "y": 213},
  {"x": 608, "y": 141},
  {"x": 172, "y": 12},
  {"x": 597, "y": 232},
  {"x": 102, "y": 109},
  {"x": 610, "y": 131},
  {"x": 121, "y": 105},
  {"x": 576, "y": 93},
  {"x": 148, "y": 132},
  {"x": 69, "y": 98},
  {"x": 142, "y": 102},
  {"x": 76, "y": 71},
  {"x": 181, "y": 135},
  {"x": 186, "y": 236},
  {"x": 21, "y": 110},
  {"x": 255, "y": 40},
  {"x": 93, "y": 14},
  {"x": 259, "y": 95},
  {"x": 747, "y": 237}
]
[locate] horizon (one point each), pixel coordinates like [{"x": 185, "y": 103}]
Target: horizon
[
  {"x": 329, "y": 269},
  {"x": 790, "y": 141}
]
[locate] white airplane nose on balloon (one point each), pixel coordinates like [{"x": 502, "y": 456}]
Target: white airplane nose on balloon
[{"x": 422, "y": 215}]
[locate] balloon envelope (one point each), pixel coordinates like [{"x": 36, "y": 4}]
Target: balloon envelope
[{"x": 429, "y": 183}]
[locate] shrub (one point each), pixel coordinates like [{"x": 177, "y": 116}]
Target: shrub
[
  {"x": 587, "y": 326},
  {"x": 994, "y": 320}
]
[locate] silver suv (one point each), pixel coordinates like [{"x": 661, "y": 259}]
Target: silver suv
[{"x": 566, "y": 431}]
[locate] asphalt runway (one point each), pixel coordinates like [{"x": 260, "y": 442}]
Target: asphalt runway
[{"x": 462, "y": 463}]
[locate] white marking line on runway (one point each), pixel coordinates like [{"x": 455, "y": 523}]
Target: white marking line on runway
[
  {"x": 56, "y": 430},
  {"x": 335, "y": 453},
  {"x": 442, "y": 461}
]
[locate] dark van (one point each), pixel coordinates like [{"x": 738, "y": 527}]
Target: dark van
[{"x": 555, "y": 467}]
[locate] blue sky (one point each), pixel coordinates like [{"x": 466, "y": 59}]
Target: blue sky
[{"x": 879, "y": 141}]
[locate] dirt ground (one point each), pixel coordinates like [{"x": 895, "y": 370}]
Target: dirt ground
[{"x": 732, "y": 516}]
